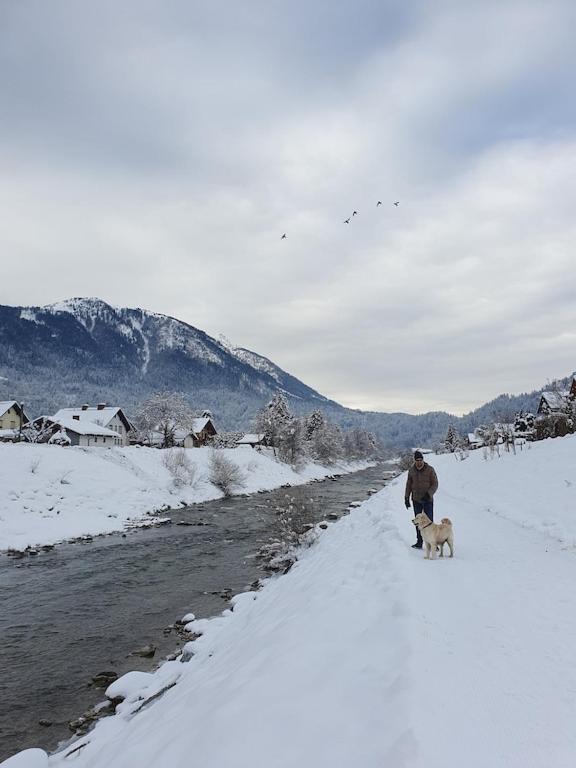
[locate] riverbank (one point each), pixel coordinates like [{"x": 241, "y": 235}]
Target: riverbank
[
  {"x": 53, "y": 494},
  {"x": 364, "y": 652}
]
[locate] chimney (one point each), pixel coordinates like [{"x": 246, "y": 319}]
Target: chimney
[
  {"x": 101, "y": 406},
  {"x": 85, "y": 407}
]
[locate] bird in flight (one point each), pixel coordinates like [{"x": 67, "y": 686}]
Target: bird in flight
[
  {"x": 397, "y": 203},
  {"x": 378, "y": 203},
  {"x": 347, "y": 221},
  {"x": 283, "y": 236},
  {"x": 354, "y": 213}
]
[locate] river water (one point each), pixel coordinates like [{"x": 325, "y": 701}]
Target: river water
[{"x": 72, "y": 612}]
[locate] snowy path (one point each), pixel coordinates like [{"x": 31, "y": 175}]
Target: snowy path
[
  {"x": 367, "y": 655},
  {"x": 494, "y": 634}
]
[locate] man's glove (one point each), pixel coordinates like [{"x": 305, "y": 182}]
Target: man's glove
[{"x": 407, "y": 503}]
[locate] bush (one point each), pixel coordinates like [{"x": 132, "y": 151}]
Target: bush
[
  {"x": 225, "y": 474},
  {"x": 183, "y": 471},
  {"x": 406, "y": 461}
]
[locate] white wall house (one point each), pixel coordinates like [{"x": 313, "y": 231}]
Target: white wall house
[
  {"x": 83, "y": 433},
  {"x": 111, "y": 418}
]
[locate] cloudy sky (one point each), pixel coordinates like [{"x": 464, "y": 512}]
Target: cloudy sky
[{"x": 153, "y": 152}]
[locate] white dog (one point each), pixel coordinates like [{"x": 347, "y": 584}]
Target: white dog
[{"x": 435, "y": 535}]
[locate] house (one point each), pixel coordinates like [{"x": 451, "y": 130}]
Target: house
[
  {"x": 552, "y": 402},
  {"x": 12, "y": 418},
  {"x": 102, "y": 415},
  {"x": 78, "y": 431},
  {"x": 252, "y": 440},
  {"x": 200, "y": 433},
  {"x": 474, "y": 440}
]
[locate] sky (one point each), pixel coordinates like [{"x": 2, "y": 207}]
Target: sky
[{"x": 152, "y": 154}]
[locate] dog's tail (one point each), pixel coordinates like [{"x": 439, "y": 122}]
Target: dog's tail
[{"x": 446, "y": 521}]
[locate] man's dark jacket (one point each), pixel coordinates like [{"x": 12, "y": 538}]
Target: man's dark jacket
[{"x": 421, "y": 482}]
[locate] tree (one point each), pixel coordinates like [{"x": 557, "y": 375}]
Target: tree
[
  {"x": 452, "y": 439},
  {"x": 290, "y": 442},
  {"x": 39, "y": 432},
  {"x": 524, "y": 423},
  {"x": 327, "y": 444},
  {"x": 164, "y": 413},
  {"x": 314, "y": 421},
  {"x": 273, "y": 419}
]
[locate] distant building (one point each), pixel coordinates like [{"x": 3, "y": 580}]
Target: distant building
[
  {"x": 556, "y": 400},
  {"x": 252, "y": 439},
  {"x": 12, "y": 418},
  {"x": 102, "y": 415},
  {"x": 79, "y": 432},
  {"x": 201, "y": 432}
]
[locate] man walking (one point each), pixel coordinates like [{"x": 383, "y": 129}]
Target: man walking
[{"x": 422, "y": 484}]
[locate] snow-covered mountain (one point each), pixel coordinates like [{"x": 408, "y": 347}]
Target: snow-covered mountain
[{"x": 85, "y": 350}]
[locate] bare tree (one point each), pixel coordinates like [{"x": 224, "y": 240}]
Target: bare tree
[{"x": 163, "y": 413}]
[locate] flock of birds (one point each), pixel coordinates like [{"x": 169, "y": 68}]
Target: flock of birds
[{"x": 354, "y": 213}]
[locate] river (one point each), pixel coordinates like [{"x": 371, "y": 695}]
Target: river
[{"x": 74, "y": 611}]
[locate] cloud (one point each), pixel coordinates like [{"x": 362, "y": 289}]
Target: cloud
[{"x": 153, "y": 154}]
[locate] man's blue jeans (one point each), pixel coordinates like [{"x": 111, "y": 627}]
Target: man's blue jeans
[{"x": 423, "y": 506}]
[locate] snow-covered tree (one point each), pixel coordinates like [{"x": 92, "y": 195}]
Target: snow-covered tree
[
  {"x": 163, "y": 413},
  {"x": 226, "y": 439},
  {"x": 290, "y": 442},
  {"x": 273, "y": 419},
  {"x": 39, "y": 432},
  {"x": 327, "y": 444},
  {"x": 314, "y": 421},
  {"x": 524, "y": 423},
  {"x": 452, "y": 439}
]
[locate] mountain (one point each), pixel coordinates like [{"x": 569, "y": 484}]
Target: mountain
[{"x": 84, "y": 350}]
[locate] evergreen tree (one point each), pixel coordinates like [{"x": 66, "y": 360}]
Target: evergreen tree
[{"x": 452, "y": 439}]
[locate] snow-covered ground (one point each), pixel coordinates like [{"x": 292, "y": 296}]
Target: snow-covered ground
[
  {"x": 365, "y": 654},
  {"x": 51, "y": 493}
]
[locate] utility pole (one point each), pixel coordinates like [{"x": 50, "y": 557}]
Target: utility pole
[{"x": 21, "y": 420}]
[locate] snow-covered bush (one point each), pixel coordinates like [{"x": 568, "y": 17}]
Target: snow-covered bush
[
  {"x": 178, "y": 463},
  {"x": 226, "y": 439},
  {"x": 224, "y": 473},
  {"x": 294, "y": 527}
]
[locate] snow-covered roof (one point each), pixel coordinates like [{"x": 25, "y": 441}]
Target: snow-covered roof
[
  {"x": 83, "y": 427},
  {"x": 101, "y": 416},
  {"x": 5, "y": 405},
  {"x": 199, "y": 424},
  {"x": 251, "y": 438},
  {"x": 556, "y": 400}
]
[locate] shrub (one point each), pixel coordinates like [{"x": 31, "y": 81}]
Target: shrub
[
  {"x": 183, "y": 471},
  {"x": 224, "y": 473}
]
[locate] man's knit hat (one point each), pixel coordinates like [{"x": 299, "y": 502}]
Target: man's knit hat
[{"x": 418, "y": 455}]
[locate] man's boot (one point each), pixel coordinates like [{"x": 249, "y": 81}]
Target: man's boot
[{"x": 418, "y": 544}]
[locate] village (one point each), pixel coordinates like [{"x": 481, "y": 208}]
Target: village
[
  {"x": 108, "y": 426},
  {"x": 102, "y": 426}
]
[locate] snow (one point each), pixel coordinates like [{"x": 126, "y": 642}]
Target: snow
[
  {"x": 92, "y": 414},
  {"x": 51, "y": 493},
  {"x": 365, "y": 654},
  {"x": 82, "y": 426}
]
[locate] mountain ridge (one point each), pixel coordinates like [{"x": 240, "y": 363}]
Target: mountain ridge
[{"x": 87, "y": 350}]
